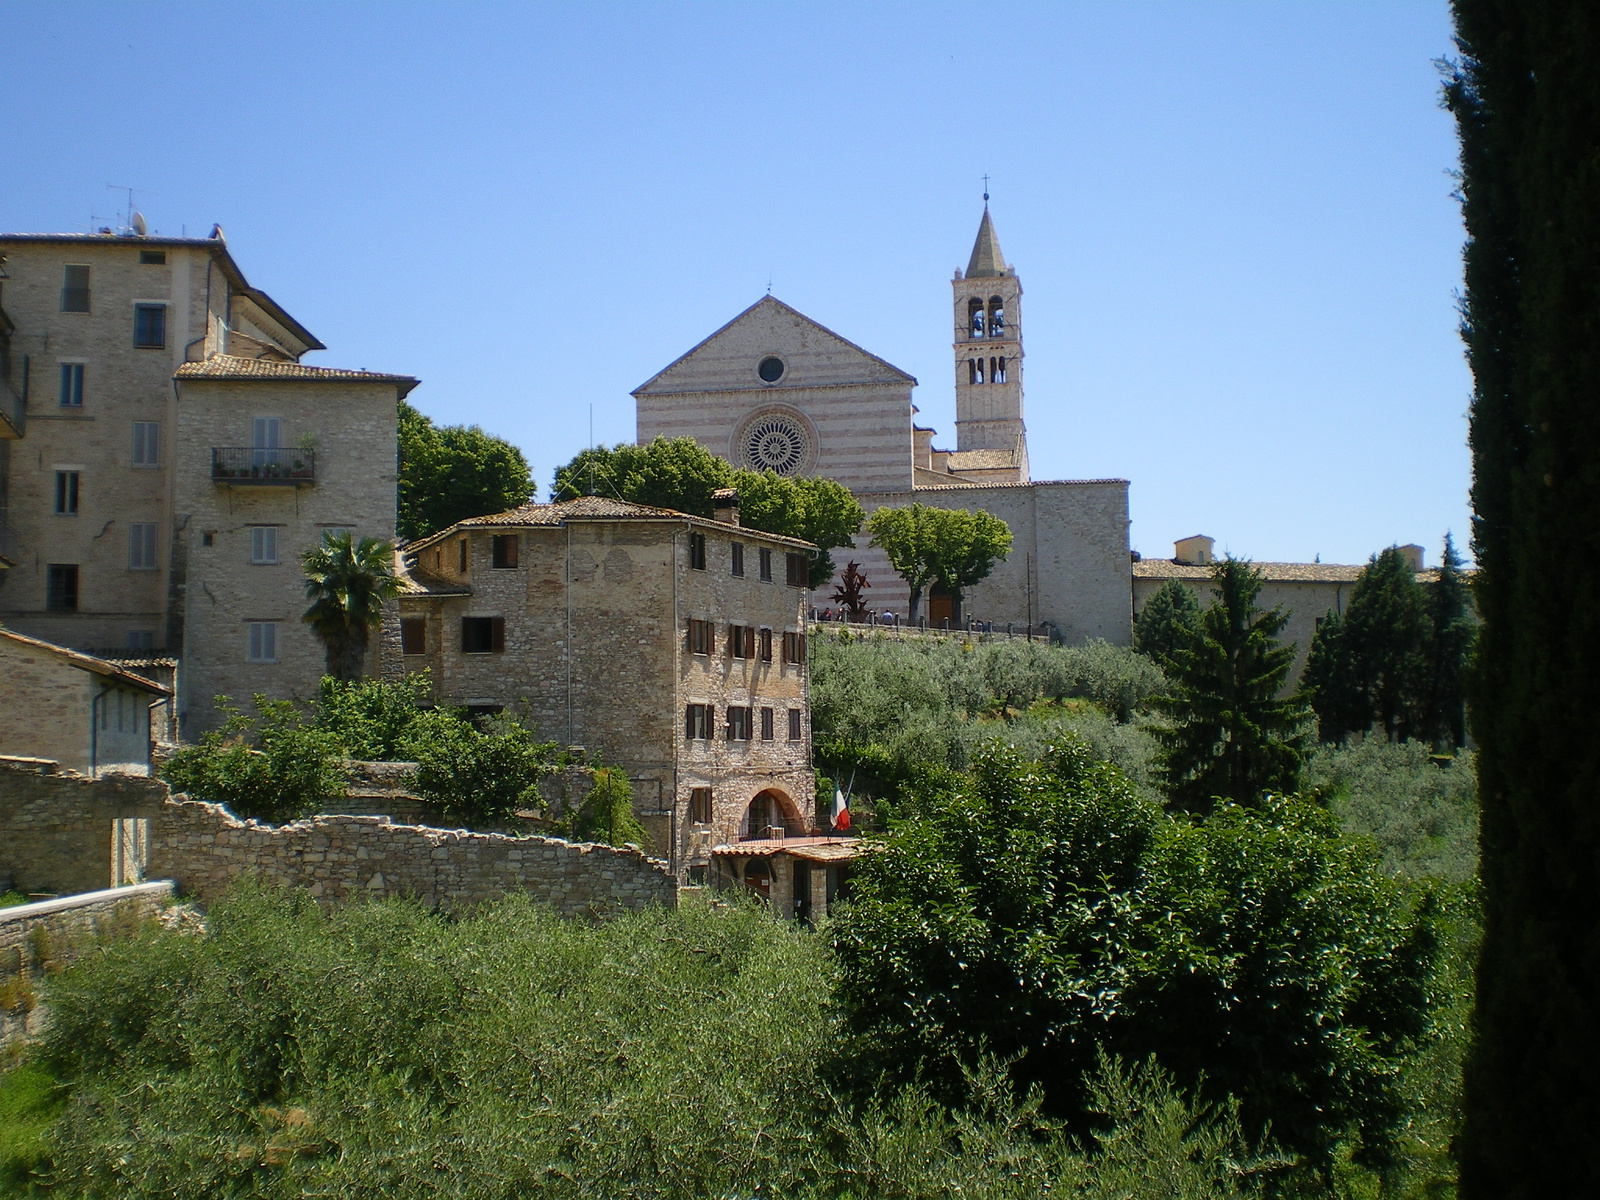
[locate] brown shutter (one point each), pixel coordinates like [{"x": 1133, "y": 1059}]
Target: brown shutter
[
  {"x": 800, "y": 646},
  {"x": 688, "y": 721},
  {"x": 497, "y": 626}
]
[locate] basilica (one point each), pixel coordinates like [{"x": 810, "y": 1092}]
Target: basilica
[{"x": 773, "y": 389}]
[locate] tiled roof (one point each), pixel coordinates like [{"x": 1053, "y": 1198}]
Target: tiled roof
[
  {"x": 85, "y": 662},
  {"x": 596, "y": 508},
  {"x": 981, "y": 460},
  {"x": 986, "y": 262},
  {"x": 418, "y": 581},
  {"x": 226, "y": 366},
  {"x": 1272, "y": 572},
  {"x": 813, "y": 849}
]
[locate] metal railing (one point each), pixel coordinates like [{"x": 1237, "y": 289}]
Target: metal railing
[{"x": 284, "y": 466}]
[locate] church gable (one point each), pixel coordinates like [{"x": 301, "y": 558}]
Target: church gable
[{"x": 737, "y": 357}]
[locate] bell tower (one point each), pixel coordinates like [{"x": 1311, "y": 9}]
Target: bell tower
[{"x": 988, "y": 355}]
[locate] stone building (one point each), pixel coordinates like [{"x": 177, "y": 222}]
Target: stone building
[
  {"x": 155, "y": 419},
  {"x": 86, "y": 713},
  {"x": 775, "y": 389},
  {"x": 1307, "y": 591},
  {"x": 666, "y": 644}
]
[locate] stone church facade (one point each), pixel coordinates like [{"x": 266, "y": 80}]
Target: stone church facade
[{"x": 775, "y": 389}]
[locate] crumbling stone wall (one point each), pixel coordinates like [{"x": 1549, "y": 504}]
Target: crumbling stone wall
[
  {"x": 56, "y": 825},
  {"x": 39, "y": 939},
  {"x": 340, "y": 858}
]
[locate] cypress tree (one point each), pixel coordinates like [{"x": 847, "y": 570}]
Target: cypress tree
[
  {"x": 1453, "y": 636},
  {"x": 1331, "y": 684},
  {"x": 1167, "y": 620},
  {"x": 1233, "y": 735},
  {"x": 1387, "y": 633},
  {"x": 1526, "y": 97}
]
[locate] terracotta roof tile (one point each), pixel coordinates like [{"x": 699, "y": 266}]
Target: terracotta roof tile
[
  {"x": 87, "y": 662},
  {"x": 1272, "y": 572},
  {"x": 597, "y": 508},
  {"x": 227, "y": 366}
]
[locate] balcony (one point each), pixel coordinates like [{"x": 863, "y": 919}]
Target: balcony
[{"x": 263, "y": 466}]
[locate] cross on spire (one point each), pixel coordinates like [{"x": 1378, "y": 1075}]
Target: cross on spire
[{"x": 985, "y": 190}]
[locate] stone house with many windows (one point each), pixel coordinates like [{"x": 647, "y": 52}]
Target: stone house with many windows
[
  {"x": 165, "y": 456},
  {"x": 670, "y": 645}
]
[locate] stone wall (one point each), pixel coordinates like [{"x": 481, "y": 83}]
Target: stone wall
[
  {"x": 56, "y": 836},
  {"x": 204, "y": 849},
  {"x": 39, "y": 939}
]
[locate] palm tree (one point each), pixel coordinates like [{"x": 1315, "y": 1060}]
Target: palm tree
[{"x": 347, "y": 584}]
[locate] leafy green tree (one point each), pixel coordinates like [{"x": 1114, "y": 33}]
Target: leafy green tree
[
  {"x": 1454, "y": 634},
  {"x": 606, "y": 814},
  {"x": 945, "y": 547},
  {"x": 273, "y": 767},
  {"x": 1043, "y": 913},
  {"x": 1168, "y": 619},
  {"x": 451, "y": 472},
  {"x": 681, "y": 474},
  {"x": 372, "y": 718},
  {"x": 1526, "y": 98},
  {"x": 347, "y": 583},
  {"x": 478, "y": 776},
  {"x": 1233, "y": 735}
]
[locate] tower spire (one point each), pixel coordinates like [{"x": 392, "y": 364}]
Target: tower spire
[{"x": 986, "y": 262}]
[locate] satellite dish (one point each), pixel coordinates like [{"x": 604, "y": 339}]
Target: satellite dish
[{"x": 138, "y": 223}]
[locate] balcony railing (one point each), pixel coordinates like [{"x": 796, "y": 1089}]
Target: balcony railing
[{"x": 263, "y": 466}]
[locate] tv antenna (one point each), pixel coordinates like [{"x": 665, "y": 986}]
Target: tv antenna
[{"x": 129, "y": 214}]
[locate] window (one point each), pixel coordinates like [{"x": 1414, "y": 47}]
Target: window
[
  {"x": 506, "y": 546},
  {"x": 766, "y": 724},
  {"x": 697, "y": 722},
  {"x": 146, "y": 443},
  {"x": 974, "y": 374},
  {"x": 975, "y": 317},
  {"x": 142, "y": 546},
  {"x": 75, "y": 289},
  {"x": 61, "y": 587},
  {"x": 702, "y": 637},
  {"x": 264, "y": 435},
  {"x": 263, "y": 545},
  {"x": 997, "y": 317},
  {"x": 766, "y": 645},
  {"x": 794, "y": 724},
  {"x": 150, "y": 326},
  {"x": 697, "y": 876},
  {"x": 738, "y": 723},
  {"x": 796, "y": 570},
  {"x": 741, "y": 641},
  {"x": 997, "y": 370},
  {"x": 208, "y": 538},
  {"x": 738, "y": 559},
  {"x": 794, "y": 648},
  {"x": 71, "y": 385},
  {"x": 413, "y": 635},
  {"x": 766, "y": 566},
  {"x": 700, "y": 806},
  {"x": 152, "y": 258},
  {"x": 461, "y": 554},
  {"x": 67, "y": 493},
  {"x": 483, "y": 635},
  {"x": 141, "y": 639},
  {"x": 263, "y": 642},
  {"x": 697, "y": 552}
]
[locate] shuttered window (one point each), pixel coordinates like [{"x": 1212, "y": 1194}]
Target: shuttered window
[
  {"x": 700, "y": 805},
  {"x": 506, "y": 546},
  {"x": 741, "y": 641},
  {"x": 739, "y": 723},
  {"x": 766, "y": 566},
  {"x": 698, "y": 720},
  {"x": 483, "y": 635},
  {"x": 697, "y": 551},
  {"x": 142, "y": 546},
  {"x": 71, "y": 394},
  {"x": 794, "y": 648},
  {"x": 263, "y": 642},
  {"x": 146, "y": 444},
  {"x": 766, "y": 724},
  {"x": 794, "y": 724},
  {"x": 75, "y": 289},
  {"x": 263, "y": 545},
  {"x": 766, "y": 645},
  {"x": 702, "y": 637},
  {"x": 796, "y": 570},
  {"x": 413, "y": 635},
  {"x": 738, "y": 558}
]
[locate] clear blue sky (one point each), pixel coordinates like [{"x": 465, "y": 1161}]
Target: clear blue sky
[{"x": 1233, "y": 222}]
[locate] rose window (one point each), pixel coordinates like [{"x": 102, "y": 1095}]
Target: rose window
[{"x": 775, "y": 443}]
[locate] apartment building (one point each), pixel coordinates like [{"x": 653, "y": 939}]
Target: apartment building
[
  {"x": 666, "y": 644},
  {"x": 165, "y": 457}
]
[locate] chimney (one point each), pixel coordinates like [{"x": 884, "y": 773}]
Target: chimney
[
  {"x": 1194, "y": 551},
  {"x": 725, "y": 506},
  {"x": 1413, "y": 556}
]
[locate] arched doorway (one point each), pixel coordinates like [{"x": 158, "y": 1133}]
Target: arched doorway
[{"x": 769, "y": 808}]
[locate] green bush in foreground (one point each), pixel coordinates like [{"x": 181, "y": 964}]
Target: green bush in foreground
[
  {"x": 275, "y": 767},
  {"x": 1042, "y": 912},
  {"x": 381, "y": 1051}
]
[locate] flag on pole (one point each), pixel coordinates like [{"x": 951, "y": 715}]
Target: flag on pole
[{"x": 841, "y": 812}]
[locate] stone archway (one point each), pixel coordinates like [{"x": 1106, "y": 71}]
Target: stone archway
[{"x": 769, "y": 807}]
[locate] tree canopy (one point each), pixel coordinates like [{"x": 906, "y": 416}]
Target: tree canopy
[
  {"x": 347, "y": 582},
  {"x": 681, "y": 474},
  {"x": 1233, "y": 735},
  {"x": 1167, "y": 620},
  {"x": 1040, "y": 913},
  {"x": 945, "y": 547},
  {"x": 451, "y": 472}
]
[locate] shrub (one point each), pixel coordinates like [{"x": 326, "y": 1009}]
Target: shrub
[
  {"x": 477, "y": 775},
  {"x": 372, "y": 718},
  {"x": 274, "y": 767},
  {"x": 606, "y": 814}
]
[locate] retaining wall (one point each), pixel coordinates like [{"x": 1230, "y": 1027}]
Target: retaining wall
[{"x": 41, "y": 938}]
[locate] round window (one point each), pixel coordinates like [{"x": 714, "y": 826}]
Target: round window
[
  {"x": 775, "y": 442},
  {"x": 771, "y": 368}
]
